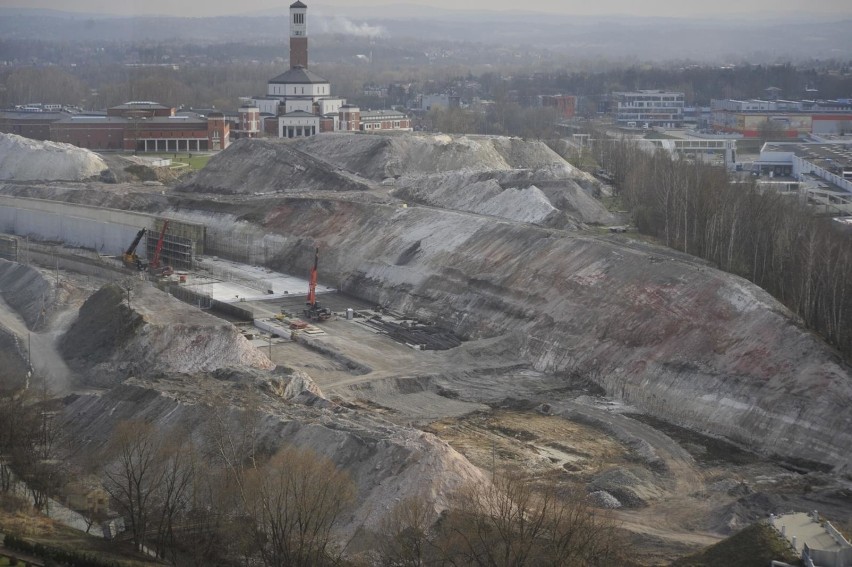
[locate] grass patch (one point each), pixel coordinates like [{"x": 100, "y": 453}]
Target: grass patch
[
  {"x": 758, "y": 544},
  {"x": 195, "y": 161}
]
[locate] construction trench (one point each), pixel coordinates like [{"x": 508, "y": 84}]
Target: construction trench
[{"x": 510, "y": 329}]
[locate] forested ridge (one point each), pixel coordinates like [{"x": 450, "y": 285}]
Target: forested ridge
[{"x": 769, "y": 238}]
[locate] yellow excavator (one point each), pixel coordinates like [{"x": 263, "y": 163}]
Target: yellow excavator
[{"x": 130, "y": 258}]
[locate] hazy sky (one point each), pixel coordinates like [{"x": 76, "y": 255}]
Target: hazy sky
[{"x": 676, "y": 8}]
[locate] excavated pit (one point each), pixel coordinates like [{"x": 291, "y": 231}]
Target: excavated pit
[{"x": 540, "y": 308}]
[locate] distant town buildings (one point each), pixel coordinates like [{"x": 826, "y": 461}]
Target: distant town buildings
[
  {"x": 297, "y": 103},
  {"x": 648, "y": 109},
  {"x": 141, "y": 126},
  {"x": 781, "y": 118},
  {"x": 565, "y": 104}
]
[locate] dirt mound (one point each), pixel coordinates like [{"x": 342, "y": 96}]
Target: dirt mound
[
  {"x": 25, "y": 290},
  {"x": 23, "y": 159},
  {"x": 378, "y": 157},
  {"x": 631, "y": 487},
  {"x": 136, "y": 330},
  {"x": 548, "y": 197},
  {"x": 13, "y": 361},
  {"x": 267, "y": 165},
  {"x": 386, "y": 463}
]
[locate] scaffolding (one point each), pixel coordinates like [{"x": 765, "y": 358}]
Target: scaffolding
[{"x": 177, "y": 252}]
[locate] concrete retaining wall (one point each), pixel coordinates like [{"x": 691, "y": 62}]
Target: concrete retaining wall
[{"x": 109, "y": 231}]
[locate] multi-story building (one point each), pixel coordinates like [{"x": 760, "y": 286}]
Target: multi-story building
[
  {"x": 140, "y": 126},
  {"x": 648, "y": 109},
  {"x": 781, "y": 118},
  {"x": 376, "y": 120},
  {"x": 565, "y": 104}
]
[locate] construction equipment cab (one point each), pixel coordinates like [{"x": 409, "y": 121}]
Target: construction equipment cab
[{"x": 130, "y": 258}]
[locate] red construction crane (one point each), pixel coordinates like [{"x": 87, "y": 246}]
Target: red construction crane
[
  {"x": 313, "y": 310},
  {"x": 154, "y": 264}
]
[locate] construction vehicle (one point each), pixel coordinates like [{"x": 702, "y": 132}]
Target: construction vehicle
[
  {"x": 130, "y": 258},
  {"x": 313, "y": 311},
  {"x": 154, "y": 266}
]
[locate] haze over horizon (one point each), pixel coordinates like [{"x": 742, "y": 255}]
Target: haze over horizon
[{"x": 660, "y": 8}]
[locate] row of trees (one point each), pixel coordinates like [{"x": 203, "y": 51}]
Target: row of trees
[
  {"x": 198, "y": 502},
  {"x": 29, "y": 444},
  {"x": 220, "y": 494},
  {"x": 772, "y": 239}
]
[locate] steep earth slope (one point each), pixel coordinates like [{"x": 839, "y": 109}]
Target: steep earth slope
[
  {"x": 509, "y": 178},
  {"x": 663, "y": 331},
  {"x": 386, "y": 463},
  {"x": 267, "y": 165},
  {"x": 550, "y": 196},
  {"x": 378, "y": 157},
  {"x": 23, "y": 159},
  {"x": 136, "y": 330}
]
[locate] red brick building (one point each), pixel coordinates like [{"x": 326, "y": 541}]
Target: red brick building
[
  {"x": 565, "y": 104},
  {"x": 377, "y": 120},
  {"x": 133, "y": 126}
]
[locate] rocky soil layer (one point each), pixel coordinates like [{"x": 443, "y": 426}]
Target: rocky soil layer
[
  {"x": 23, "y": 159},
  {"x": 26, "y": 291},
  {"x": 134, "y": 329},
  {"x": 267, "y": 165},
  {"x": 663, "y": 331},
  {"x": 378, "y": 157},
  {"x": 386, "y": 463},
  {"x": 546, "y": 197}
]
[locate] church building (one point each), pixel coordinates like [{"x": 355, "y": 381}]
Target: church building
[{"x": 301, "y": 101}]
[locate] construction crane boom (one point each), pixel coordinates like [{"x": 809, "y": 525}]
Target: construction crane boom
[
  {"x": 130, "y": 258},
  {"x": 154, "y": 265},
  {"x": 312, "y": 286},
  {"x": 314, "y": 311}
]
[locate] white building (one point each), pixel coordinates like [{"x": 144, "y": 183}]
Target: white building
[
  {"x": 648, "y": 108},
  {"x": 298, "y": 124},
  {"x": 300, "y": 100}
]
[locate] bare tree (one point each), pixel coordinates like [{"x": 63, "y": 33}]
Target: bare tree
[
  {"x": 511, "y": 523},
  {"x": 295, "y": 499},
  {"x": 134, "y": 475},
  {"x": 406, "y": 537},
  {"x": 287, "y": 504}
]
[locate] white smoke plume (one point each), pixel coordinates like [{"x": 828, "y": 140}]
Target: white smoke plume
[{"x": 343, "y": 25}]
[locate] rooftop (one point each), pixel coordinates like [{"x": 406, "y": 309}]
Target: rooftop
[
  {"x": 367, "y": 114},
  {"x": 829, "y": 156},
  {"x": 806, "y": 531},
  {"x": 298, "y": 75},
  {"x": 141, "y": 105}
]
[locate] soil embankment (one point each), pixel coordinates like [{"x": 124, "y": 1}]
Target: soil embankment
[
  {"x": 663, "y": 331},
  {"x": 136, "y": 330},
  {"x": 387, "y": 464}
]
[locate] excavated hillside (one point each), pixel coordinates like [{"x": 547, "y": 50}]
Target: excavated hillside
[
  {"x": 545, "y": 196},
  {"x": 386, "y": 463},
  {"x": 663, "y": 331},
  {"x": 509, "y": 178},
  {"x": 23, "y": 159},
  {"x": 268, "y": 165},
  {"x": 111, "y": 340},
  {"x": 378, "y": 157}
]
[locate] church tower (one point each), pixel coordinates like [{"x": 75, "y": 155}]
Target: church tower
[{"x": 298, "y": 35}]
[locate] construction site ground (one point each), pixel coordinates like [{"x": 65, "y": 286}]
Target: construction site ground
[
  {"x": 689, "y": 489},
  {"x": 675, "y": 491}
]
